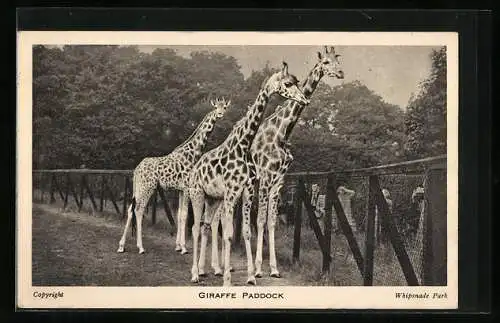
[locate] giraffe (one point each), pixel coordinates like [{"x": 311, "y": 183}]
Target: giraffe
[
  {"x": 225, "y": 173},
  {"x": 170, "y": 171},
  {"x": 271, "y": 154}
]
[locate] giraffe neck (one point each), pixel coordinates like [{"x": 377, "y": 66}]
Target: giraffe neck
[
  {"x": 197, "y": 141},
  {"x": 292, "y": 109},
  {"x": 247, "y": 127}
]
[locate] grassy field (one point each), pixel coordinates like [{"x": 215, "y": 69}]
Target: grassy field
[
  {"x": 343, "y": 270},
  {"x": 82, "y": 247},
  {"x": 76, "y": 249}
]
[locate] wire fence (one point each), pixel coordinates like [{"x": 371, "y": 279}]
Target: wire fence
[{"x": 388, "y": 222}]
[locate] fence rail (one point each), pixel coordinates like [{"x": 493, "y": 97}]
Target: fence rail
[
  {"x": 99, "y": 186},
  {"x": 407, "y": 167}
]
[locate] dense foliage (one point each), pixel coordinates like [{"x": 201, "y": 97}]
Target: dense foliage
[
  {"x": 425, "y": 120},
  {"x": 111, "y": 106}
]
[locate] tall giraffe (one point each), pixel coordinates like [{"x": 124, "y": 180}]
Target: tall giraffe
[
  {"x": 272, "y": 156},
  {"x": 170, "y": 171},
  {"x": 225, "y": 173}
]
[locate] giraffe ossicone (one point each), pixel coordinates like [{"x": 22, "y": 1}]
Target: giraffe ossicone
[
  {"x": 170, "y": 171},
  {"x": 225, "y": 173}
]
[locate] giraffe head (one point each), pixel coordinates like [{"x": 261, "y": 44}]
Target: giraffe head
[
  {"x": 386, "y": 193},
  {"x": 329, "y": 63},
  {"x": 417, "y": 195},
  {"x": 220, "y": 106},
  {"x": 345, "y": 192},
  {"x": 285, "y": 84}
]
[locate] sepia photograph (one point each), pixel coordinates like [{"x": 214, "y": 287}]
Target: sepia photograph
[{"x": 237, "y": 170}]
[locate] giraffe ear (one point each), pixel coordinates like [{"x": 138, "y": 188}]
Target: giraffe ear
[
  {"x": 320, "y": 56},
  {"x": 212, "y": 103},
  {"x": 284, "y": 70}
]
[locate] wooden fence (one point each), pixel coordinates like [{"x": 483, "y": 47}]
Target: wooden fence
[
  {"x": 98, "y": 186},
  {"x": 114, "y": 186},
  {"x": 433, "y": 266}
]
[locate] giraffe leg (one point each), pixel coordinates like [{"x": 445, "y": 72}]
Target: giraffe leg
[
  {"x": 203, "y": 243},
  {"x": 231, "y": 269},
  {"x": 204, "y": 237},
  {"x": 183, "y": 222},
  {"x": 227, "y": 232},
  {"x": 139, "y": 215},
  {"x": 179, "y": 230},
  {"x": 261, "y": 220},
  {"x": 141, "y": 196},
  {"x": 197, "y": 201},
  {"x": 121, "y": 246},
  {"x": 215, "y": 238},
  {"x": 271, "y": 225},
  {"x": 247, "y": 233},
  {"x": 209, "y": 214}
]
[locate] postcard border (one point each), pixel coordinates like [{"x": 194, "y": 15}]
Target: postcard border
[{"x": 26, "y": 39}]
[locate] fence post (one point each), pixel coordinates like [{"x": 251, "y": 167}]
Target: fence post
[
  {"x": 125, "y": 193},
  {"x": 315, "y": 226},
  {"x": 347, "y": 230},
  {"x": 86, "y": 186},
  {"x": 168, "y": 212},
  {"x": 330, "y": 191},
  {"x": 112, "y": 197},
  {"x": 40, "y": 179},
  {"x": 73, "y": 191},
  {"x": 297, "y": 220},
  {"x": 66, "y": 193},
  {"x": 52, "y": 187},
  {"x": 435, "y": 228},
  {"x": 370, "y": 235},
  {"x": 397, "y": 243},
  {"x": 56, "y": 185},
  {"x": 101, "y": 202},
  {"x": 81, "y": 192}
]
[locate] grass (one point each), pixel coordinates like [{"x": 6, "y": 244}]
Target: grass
[
  {"x": 343, "y": 270},
  {"x": 77, "y": 249},
  {"x": 96, "y": 260}
]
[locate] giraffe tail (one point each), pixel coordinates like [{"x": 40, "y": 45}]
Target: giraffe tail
[{"x": 134, "y": 221}]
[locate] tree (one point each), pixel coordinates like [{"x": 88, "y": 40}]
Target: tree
[
  {"x": 425, "y": 119},
  {"x": 111, "y": 106},
  {"x": 347, "y": 126}
]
